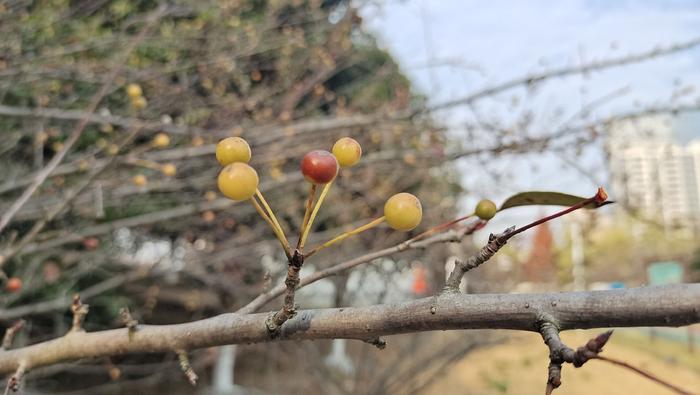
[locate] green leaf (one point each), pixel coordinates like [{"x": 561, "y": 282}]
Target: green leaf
[{"x": 542, "y": 198}]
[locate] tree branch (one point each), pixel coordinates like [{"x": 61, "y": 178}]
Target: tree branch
[
  {"x": 673, "y": 305},
  {"x": 532, "y": 79},
  {"x": 453, "y": 236}
]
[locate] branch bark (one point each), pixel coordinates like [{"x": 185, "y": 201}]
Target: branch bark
[
  {"x": 453, "y": 236},
  {"x": 674, "y": 305}
]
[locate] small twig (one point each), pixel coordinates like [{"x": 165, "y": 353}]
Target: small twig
[
  {"x": 69, "y": 196},
  {"x": 186, "y": 368},
  {"x": 529, "y": 80},
  {"x": 15, "y": 380},
  {"x": 291, "y": 282},
  {"x": 10, "y": 334},
  {"x": 452, "y": 236},
  {"x": 560, "y": 353},
  {"x": 644, "y": 373},
  {"x": 496, "y": 242},
  {"x": 79, "y": 311},
  {"x": 377, "y": 342},
  {"x": 128, "y": 320}
]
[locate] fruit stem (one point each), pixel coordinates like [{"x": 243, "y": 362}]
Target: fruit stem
[
  {"x": 319, "y": 202},
  {"x": 271, "y": 214},
  {"x": 438, "y": 228},
  {"x": 307, "y": 212},
  {"x": 280, "y": 237},
  {"x": 345, "y": 235}
]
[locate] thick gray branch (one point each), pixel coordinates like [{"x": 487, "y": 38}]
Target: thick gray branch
[{"x": 674, "y": 305}]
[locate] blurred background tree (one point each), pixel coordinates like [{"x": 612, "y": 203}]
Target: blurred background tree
[{"x": 149, "y": 230}]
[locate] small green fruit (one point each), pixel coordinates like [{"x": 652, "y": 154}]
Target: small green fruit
[{"x": 486, "y": 209}]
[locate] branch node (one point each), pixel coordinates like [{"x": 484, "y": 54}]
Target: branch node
[
  {"x": 14, "y": 382},
  {"x": 377, "y": 342},
  {"x": 10, "y": 334},
  {"x": 558, "y": 351},
  {"x": 495, "y": 243},
  {"x": 128, "y": 321},
  {"x": 79, "y": 311},
  {"x": 291, "y": 282},
  {"x": 186, "y": 368}
]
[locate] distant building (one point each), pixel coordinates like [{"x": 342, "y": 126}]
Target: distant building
[
  {"x": 653, "y": 175},
  {"x": 539, "y": 266}
]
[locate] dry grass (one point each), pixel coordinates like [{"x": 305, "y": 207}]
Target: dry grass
[{"x": 519, "y": 367}]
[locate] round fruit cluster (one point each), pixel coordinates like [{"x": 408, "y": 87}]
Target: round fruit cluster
[
  {"x": 238, "y": 180},
  {"x": 135, "y": 94}
]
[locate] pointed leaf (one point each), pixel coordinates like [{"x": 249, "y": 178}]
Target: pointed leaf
[{"x": 542, "y": 198}]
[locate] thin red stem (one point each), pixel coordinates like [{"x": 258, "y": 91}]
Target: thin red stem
[
  {"x": 599, "y": 198},
  {"x": 646, "y": 374},
  {"x": 439, "y": 228}
]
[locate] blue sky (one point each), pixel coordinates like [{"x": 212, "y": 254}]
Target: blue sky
[{"x": 488, "y": 42}]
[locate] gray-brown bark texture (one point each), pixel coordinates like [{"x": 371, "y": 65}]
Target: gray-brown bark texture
[{"x": 674, "y": 305}]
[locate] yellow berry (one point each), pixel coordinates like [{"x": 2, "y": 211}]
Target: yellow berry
[
  {"x": 403, "y": 211},
  {"x": 113, "y": 149},
  {"x": 134, "y": 91},
  {"x": 161, "y": 140},
  {"x": 208, "y": 216},
  {"x": 485, "y": 209},
  {"x": 139, "y": 180},
  {"x": 210, "y": 196},
  {"x": 168, "y": 169},
  {"x": 139, "y": 103},
  {"x": 238, "y": 181},
  {"x": 197, "y": 141},
  {"x": 106, "y": 128},
  {"x": 347, "y": 151},
  {"x": 232, "y": 149}
]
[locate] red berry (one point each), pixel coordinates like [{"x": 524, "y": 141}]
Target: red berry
[
  {"x": 319, "y": 167},
  {"x": 91, "y": 243},
  {"x": 14, "y": 284}
]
